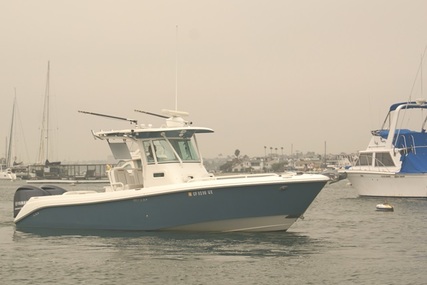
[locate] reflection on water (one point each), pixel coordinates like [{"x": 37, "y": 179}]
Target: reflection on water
[{"x": 167, "y": 244}]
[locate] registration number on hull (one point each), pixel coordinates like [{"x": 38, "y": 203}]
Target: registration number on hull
[{"x": 200, "y": 193}]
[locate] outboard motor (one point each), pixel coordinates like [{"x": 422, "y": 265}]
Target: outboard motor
[{"x": 24, "y": 193}]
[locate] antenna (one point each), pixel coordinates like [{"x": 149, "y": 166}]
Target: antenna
[
  {"x": 422, "y": 59},
  {"x": 132, "y": 121},
  {"x": 152, "y": 114},
  {"x": 420, "y": 70},
  {"x": 173, "y": 118}
]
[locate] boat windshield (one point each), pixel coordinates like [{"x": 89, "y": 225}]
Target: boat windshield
[
  {"x": 164, "y": 151},
  {"x": 185, "y": 149},
  {"x": 160, "y": 150}
]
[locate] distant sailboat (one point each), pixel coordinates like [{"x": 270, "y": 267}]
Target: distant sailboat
[{"x": 43, "y": 154}]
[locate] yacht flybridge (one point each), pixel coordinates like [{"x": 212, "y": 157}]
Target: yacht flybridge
[{"x": 163, "y": 185}]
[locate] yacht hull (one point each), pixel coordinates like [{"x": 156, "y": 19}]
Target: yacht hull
[
  {"x": 382, "y": 184},
  {"x": 249, "y": 208}
]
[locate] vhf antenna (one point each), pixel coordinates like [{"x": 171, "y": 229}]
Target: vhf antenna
[{"x": 152, "y": 114}]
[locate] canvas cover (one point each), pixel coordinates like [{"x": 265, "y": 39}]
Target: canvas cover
[{"x": 414, "y": 163}]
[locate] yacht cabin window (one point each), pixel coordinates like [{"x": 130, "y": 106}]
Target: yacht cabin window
[
  {"x": 365, "y": 159},
  {"x": 383, "y": 159}
]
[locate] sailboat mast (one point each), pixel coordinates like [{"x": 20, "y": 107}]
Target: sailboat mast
[
  {"x": 5, "y": 152},
  {"x": 9, "y": 147},
  {"x": 176, "y": 69},
  {"x": 324, "y": 156},
  {"x": 44, "y": 132},
  {"x": 47, "y": 109}
]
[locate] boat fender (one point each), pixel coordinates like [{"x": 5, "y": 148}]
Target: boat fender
[{"x": 25, "y": 192}]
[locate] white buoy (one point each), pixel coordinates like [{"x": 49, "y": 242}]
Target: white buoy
[{"x": 385, "y": 207}]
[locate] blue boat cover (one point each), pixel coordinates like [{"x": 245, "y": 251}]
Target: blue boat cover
[
  {"x": 405, "y": 138},
  {"x": 414, "y": 163},
  {"x": 414, "y": 156},
  {"x": 415, "y": 160}
]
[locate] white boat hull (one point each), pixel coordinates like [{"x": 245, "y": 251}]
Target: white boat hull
[
  {"x": 7, "y": 176},
  {"x": 382, "y": 184},
  {"x": 258, "y": 204}
]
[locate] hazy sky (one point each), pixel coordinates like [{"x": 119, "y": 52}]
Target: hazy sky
[{"x": 260, "y": 73}]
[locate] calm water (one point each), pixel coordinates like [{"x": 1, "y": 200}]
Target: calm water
[{"x": 342, "y": 240}]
